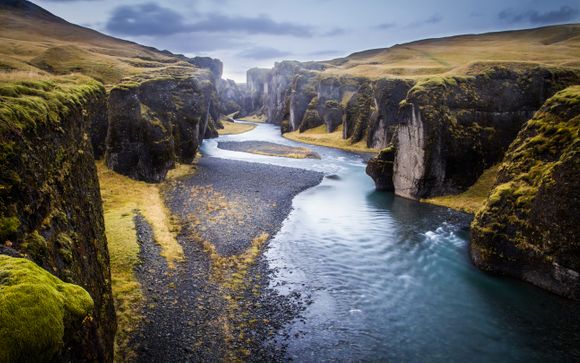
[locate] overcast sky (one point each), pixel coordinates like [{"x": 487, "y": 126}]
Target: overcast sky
[{"x": 250, "y": 33}]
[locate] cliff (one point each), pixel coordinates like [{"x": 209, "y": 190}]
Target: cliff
[
  {"x": 50, "y": 211},
  {"x": 155, "y": 122},
  {"x": 528, "y": 227},
  {"x": 450, "y": 129},
  {"x": 234, "y": 98}
]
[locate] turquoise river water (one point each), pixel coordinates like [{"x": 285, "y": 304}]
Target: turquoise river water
[{"x": 391, "y": 280}]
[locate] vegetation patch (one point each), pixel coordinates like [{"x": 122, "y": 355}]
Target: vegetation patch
[
  {"x": 36, "y": 308},
  {"x": 235, "y": 128},
  {"x": 23, "y": 103},
  {"x": 122, "y": 197},
  {"x": 255, "y": 118},
  {"x": 473, "y": 198},
  {"x": 270, "y": 149},
  {"x": 319, "y": 136}
]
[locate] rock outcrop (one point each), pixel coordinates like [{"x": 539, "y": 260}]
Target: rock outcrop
[
  {"x": 50, "y": 213},
  {"x": 381, "y": 169},
  {"x": 451, "y": 129},
  {"x": 155, "y": 122},
  {"x": 39, "y": 314},
  {"x": 529, "y": 227},
  {"x": 234, "y": 98}
]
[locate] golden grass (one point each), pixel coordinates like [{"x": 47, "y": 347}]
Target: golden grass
[
  {"x": 284, "y": 151},
  {"x": 12, "y": 76},
  {"x": 553, "y": 46},
  {"x": 35, "y": 43},
  {"x": 181, "y": 170},
  {"x": 254, "y": 118},
  {"x": 234, "y": 128},
  {"x": 319, "y": 136},
  {"x": 473, "y": 198},
  {"x": 122, "y": 197}
]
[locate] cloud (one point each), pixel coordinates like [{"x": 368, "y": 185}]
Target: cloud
[
  {"x": 319, "y": 53},
  {"x": 146, "y": 19},
  {"x": 433, "y": 19},
  {"x": 385, "y": 26},
  {"x": 152, "y": 19},
  {"x": 334, "y": 32},
  {"x": 215, "y": 22},
  {"x": 263, "y": 53},
  {"x": 564, "y": 14}
]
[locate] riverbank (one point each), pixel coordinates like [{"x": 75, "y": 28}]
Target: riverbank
[
  {"x": 473, "y": 198},
  {"x": 319, "y": 136},
  {"x": 234, "y": 128},
  {"x": 217, "y": 304}
]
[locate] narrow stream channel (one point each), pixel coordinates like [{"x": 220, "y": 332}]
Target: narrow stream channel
[{"x": 390, "y": 279}]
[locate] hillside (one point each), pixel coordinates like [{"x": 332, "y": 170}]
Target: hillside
[
  {"x": 553, "y": 46},
  {"x": 32, "y": 39}
]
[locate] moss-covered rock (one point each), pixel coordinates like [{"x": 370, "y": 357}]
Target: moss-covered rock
[
  {"x": 528, "y": 227},
  {"x": 155, "y": 122},
  {"x": 39, "y": 312},
  {"x": 452, "y": 128},
  {"x": 50, "y": 204}
]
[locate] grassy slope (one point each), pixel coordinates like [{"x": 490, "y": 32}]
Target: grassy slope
[
  {"x": 234, "y": 128},
  {"x": 122, "y": 196},
  {"x": 31, "y": 39},
  {"x": 554, "y": 45},
  {"x": 473, "y": 198},
  {"x": 319, "y": 136}
]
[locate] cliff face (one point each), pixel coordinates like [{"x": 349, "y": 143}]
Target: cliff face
[
  {"x": 234, "y": 97},
  {"x": 451, "y": 129},
  {"x": 529, "y": 227},
  {"x": 156, "y": 122},
  {"x": 302, "y": 97},
  {"x": 50, "y": 204}
]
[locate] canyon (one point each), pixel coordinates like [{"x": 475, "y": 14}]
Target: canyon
[{"x": 83, "y": 115}]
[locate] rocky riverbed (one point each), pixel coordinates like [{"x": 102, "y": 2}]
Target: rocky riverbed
[{"x": 218, "y": 304}]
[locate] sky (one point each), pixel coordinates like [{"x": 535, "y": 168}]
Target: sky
[{"x": 257, "y": 33}]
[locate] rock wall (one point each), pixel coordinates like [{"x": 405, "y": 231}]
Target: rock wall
[
  {"x": 234, "y": 97},
  {"x": 451, "y": 129},
  {"x": 299, "y": 95},
  {"x": 50, "y": 203},
  {"x": 156, "y": 122},
  {"x": 528, "y": 227}
]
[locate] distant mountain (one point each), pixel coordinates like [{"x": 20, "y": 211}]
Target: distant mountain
[{"x": 553, "y": 45}]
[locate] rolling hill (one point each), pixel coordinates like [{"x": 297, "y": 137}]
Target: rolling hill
[{"x": 34, "y": 40}]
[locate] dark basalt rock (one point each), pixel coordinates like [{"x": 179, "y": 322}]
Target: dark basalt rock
[
  {"x": 234, "y": 98},
  {"x": 380, "y": 168},
  {"x": 155, "y": 123},
  {"x": 451, "y": 129},
  {"x": 528, "y": 227},
  {"x": 50, "y": 202}
]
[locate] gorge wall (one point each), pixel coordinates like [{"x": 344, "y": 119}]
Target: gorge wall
[
  {"x": 50, "y": 213},
  {"x": 451, "y": 129},
  {"x": 444, "y": 130},
  {"x": 156, "y": 122},
  {"x": 528, "y": 227}
]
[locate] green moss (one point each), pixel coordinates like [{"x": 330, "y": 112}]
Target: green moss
[
  {"x": 23, "y": 104},
  {"x": 35, "y": 246},
  {"x": 35, "y": 309},
  {"x": 8, "y": 227},
  {"x": 552, "y": 135}
]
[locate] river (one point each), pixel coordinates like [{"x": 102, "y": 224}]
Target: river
[{"x": 390, "y": 279}]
